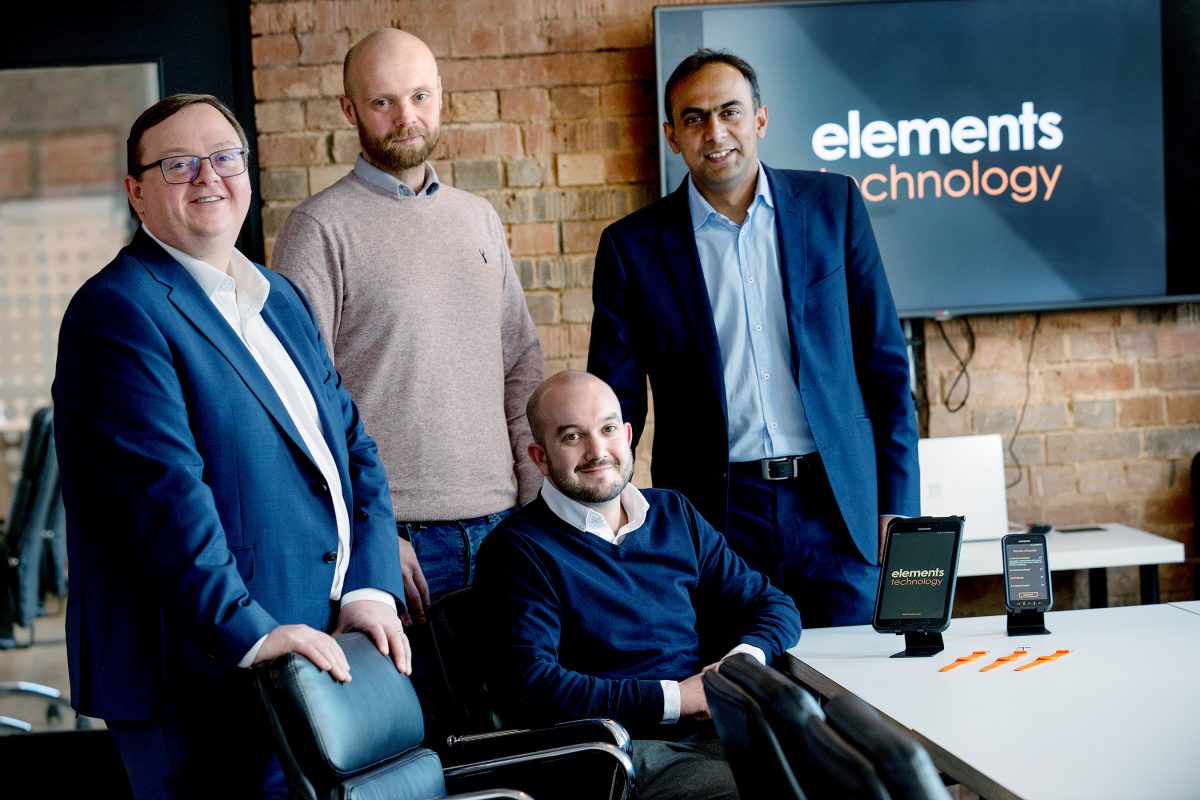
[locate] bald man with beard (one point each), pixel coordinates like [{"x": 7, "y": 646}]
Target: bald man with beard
[
  {"x": 418, "y": 302},
  {"x": 603, "y": 600}
]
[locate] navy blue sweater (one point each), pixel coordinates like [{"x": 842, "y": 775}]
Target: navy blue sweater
[{"x": 584, "y": 628}]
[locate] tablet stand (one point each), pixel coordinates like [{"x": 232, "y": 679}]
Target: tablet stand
[
  {"x": 919, "y": 644},
  {"x": 1026, "y": 623}
]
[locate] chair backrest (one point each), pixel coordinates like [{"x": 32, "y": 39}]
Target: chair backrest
[
  {"x": 455, "y": 638},
  {"x": 760, "y": 767},
  {"x": 349, "y": 739},
  {"x": 36, "y": 499},
  {"x": 824, "y": 764},
  {"x": 900, "y": 761}
]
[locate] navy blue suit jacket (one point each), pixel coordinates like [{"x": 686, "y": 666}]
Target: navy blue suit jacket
[
  {"x": 653, "y": 318},
  {"x": 197, "y": 520}
]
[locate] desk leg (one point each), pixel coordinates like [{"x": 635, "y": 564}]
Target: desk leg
[
  {"x": 1098, "y": 587},
  {"x": 1149, "y": 581}
]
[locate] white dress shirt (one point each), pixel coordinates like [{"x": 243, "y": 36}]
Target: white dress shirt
[{"x": 584, "y": 518}]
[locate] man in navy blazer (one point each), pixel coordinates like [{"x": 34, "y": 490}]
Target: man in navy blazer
[
  {"x": 224, "y": 505},
  {"x": 755, "y": 301}
]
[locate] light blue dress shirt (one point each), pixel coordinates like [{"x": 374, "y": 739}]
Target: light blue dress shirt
[
  {"x": 390, "y": 183},
  {"x": 745, "y": 288}
]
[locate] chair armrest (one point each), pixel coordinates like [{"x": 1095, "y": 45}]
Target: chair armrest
[
  {"x": 513, "y": 741},
  {"x": 573, "y": 772},
  {"x": 498, "y": 794}
]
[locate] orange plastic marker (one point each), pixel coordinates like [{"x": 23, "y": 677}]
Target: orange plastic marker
[
  {"x": 958, "y": 662},
  {"x": 1002, "y": 660},
  {"x": 1055, "y": 656}
]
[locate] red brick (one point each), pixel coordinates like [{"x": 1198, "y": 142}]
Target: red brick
[
  {"x": 346, "y": 147},
  {"x": 292, "y": 149},
  {"x": 286, "y": 83},
  {"x": 1136, "y": 412},
  {"x": 1101, "y": 477},
  {"x": 577, "y": 169},
  {"x": 324, "y": 114},
  {"x": 1049, "y": 348},
  {"x": 1081, "y": 320},
  {"x": 477, "y": 40},
  {"x": 996, "y": 351},
  {"x": 267, "y": 18},
  {"x": 534, "y": 238},
  {"x": 500, "y": 140},
  {"x": 1179, "y": 340},
  {"x": 583, "y": 236},
  {"x": 539, "y": 138},
  {"x": 81, "y": 159},
  {"x": 1049, "y": 481},
  {"x": 639, "y": 131},
  {"x": 16, "y": 168},
  {"x": 577, "y": 307},
  {"x": 1173, "y": 374},
  {"x": 1090, "y": 345},
  {"x": 324, "y": 47},
  {"x": 555, "y": 341},
  {"x": 279, "y": 116},
  {"x": 473, "y": 106},
  {"x": 1143, "y": 476},
  {"x": 273, "y": 49},
  {"x": 944, "y": 423},
  {"x": 576, "y": 136},
  {"x": 575, "y": 101},
  {"x": 459, "y": 75},
  {"x": 1140, "y": 342},
  {"x": 628, "y": 98},
  {"x": 1182, "y": 409},
  {"x": 1074, "y": 379},
  {"x": 578, "y": 337},
  {"x": 524, "y": 104}
]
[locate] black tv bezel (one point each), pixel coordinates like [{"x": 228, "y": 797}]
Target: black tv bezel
[{"x": 1180, "y": 26}]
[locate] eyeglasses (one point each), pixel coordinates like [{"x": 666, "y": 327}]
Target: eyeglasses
[{"x": 184, "y": 169}]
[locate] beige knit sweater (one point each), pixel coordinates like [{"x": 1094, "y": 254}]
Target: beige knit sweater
[{"x": 425, "y": 319}]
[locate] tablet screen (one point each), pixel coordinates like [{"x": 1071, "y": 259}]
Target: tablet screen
[{"x": 916, "y": 586}]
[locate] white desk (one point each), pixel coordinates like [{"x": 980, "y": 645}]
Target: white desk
[
  {"x": 1118, "y": 718},
  {"x": 1116, "y": 545},
  {"x": 1189, "y": 605}
]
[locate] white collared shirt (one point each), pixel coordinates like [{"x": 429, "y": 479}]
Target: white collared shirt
[
  {"x": 239, "y": 296},
  {"x": 584, "y": 518}
]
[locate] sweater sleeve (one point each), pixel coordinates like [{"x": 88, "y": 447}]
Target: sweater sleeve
[
  {"x": 752, "y": 610},
  {"x": 306, "y": 254},
  {"x": 523, "y": 612},
  {"x": 523, "y": 371}
]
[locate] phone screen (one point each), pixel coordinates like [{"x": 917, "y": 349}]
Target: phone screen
[
  {"x": 1026, "y": 573},
  {"x": 916, "y": 587}
]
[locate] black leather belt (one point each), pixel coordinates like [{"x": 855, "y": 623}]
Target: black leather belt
[{"x": 777, "y": 469}]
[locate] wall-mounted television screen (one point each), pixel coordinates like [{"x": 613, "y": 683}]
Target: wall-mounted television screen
[{"x": 1013, "y": 154}]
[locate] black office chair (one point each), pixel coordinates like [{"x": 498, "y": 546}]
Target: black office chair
[
  {"x": 760, "y": 767},
  {"x": 465, "y": 706},
  {"x": 34, "y": 519},
  {"x": 823, "y": 763},
  {"x": 362, "y": 738},
  {"x": 899, "y": 760}
]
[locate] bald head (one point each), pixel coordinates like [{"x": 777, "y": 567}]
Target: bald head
[
  {"x": 560, "y": 392},
  {"x": 387, "y": 50}
]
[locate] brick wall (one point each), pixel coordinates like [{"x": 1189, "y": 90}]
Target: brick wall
[{"x": 550, "y": 114}]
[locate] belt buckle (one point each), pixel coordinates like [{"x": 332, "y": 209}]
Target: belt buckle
[{"x": 766, "y": 464}]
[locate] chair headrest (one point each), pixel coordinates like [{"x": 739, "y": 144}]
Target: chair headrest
[{"x": 343, "y": 728}]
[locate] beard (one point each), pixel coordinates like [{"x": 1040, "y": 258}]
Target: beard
[
  {"x": 394, "y": 159},
  {"x": 572, "y": 487}
]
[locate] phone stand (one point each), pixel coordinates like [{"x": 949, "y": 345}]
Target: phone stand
[
  {"x": 1027, "y": 623},
  {"x": 920, "y": 644}
]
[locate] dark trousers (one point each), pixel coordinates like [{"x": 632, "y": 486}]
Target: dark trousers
[
  {"x": 792, "y": 531},
  {"x": 221, "y": 748}
]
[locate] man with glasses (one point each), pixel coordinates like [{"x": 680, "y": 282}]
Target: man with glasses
[{"x": 224, "y": 505}]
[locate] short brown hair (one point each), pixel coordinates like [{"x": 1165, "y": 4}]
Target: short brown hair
[{"x": 164, "y": 109}]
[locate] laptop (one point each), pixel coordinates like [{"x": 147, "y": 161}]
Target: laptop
[{"x": 964, "y": 476}]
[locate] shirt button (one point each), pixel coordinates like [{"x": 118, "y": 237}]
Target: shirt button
[
  {"x": 329, "y": 558},
  {"x": 766, "y": 376},
  {"x": 758, "y": 327},
  {"x": 774, "y": 425},
  {"x": 750, "y": 279},
  {"x": 320, "y": 488}
]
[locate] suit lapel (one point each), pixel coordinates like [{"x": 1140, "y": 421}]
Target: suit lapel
[
  {"x": 792, "y": 234},
  {"x": 683, "y": 266},
  {"x": 187, "y": 296}
]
